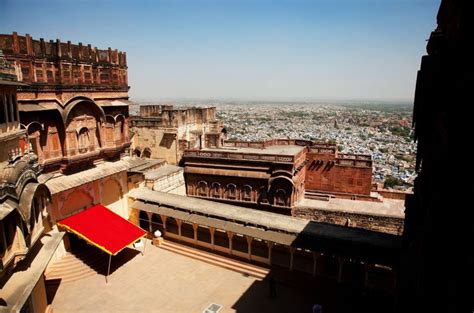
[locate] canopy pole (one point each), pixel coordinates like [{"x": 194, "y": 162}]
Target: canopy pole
[{"x": 108, "y": 270}]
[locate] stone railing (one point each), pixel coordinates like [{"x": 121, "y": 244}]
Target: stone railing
[
  {"x": 360, "y": 157},
  {"x": 266, "y": 143},
  {"x": 353, "y": 162},
  {"x": 239, "y": 156}
]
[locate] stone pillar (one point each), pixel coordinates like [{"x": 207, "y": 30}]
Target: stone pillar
[
  {"x": 5, "y": 110},
  {"x": 341, "y": 262},
  {"x": 195, "y": 228},
  {"x": 81, "y": 70},
  {"x": 270, "y": 248},
  {"x": 292, "y": 251},
  {"x": 179, "y": 222},
  {"x": 150, "y": 227},
  {"x": 17, "y": 110},
  {"x": 15, "y": 43},
  {"x": 316, "y": 256},
  {"x": 230, "y": 235},
  {"x": 11, "y": 108},
  {"x": 29, "y": 45},
  {"x": 163, "y": 219},
  {"x": 249, "y": 247},
  {"x": 69, "y": 54},
  {"x": 212, "y": 230},
  {"x": 58, "y": 48}
]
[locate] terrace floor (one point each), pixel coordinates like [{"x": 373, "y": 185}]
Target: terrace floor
[{"x": 163, "y": 281}]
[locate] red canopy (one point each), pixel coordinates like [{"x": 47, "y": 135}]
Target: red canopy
[{"x": 103, "y": 228}]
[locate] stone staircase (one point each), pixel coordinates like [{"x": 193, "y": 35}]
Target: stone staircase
[
  {"x": 309, "y": 194},
  {"x": 215, "y": 259},
  {"x": 76, "y": 266}
]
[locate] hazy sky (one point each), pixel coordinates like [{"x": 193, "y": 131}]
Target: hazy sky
[{"x": 250, "y": 49}]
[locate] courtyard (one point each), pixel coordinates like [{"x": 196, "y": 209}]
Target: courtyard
[{"x": 163, "y": 281}]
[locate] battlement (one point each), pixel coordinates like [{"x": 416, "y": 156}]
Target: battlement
[
  {"x": 27, "y": 46},
  {"x": 63, "y": 63}
]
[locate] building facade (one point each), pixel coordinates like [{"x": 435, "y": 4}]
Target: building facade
[
  {"x": 266, "y": 175},
  {"x": 23, "y": 207},
  {"x": 162, "y": 131},
  {"x": 330, "y": 173},
  {"x": 75, "y": 103}
]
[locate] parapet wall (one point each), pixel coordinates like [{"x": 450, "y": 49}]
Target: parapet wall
[
  {"x": 58, "y": 63},
  {"x": 27, "y": 46},
  {"x": 379, "y": 223},
  {"x": 329, "y": 171},
  {"x": 266, "y": 143},
  {"x": 167, "y": 116}
]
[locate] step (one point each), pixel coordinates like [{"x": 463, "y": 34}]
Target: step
[
  {"x": 70, "y": 279},
  {"x": 218, "y": 257},
  {"x": 216, "y": 263},
  {"x": 236, "y": 266},
  {"x": 76, "y": 263},
  {"x": 71, "y": 268},
  {"x": 72, "y": 271}
]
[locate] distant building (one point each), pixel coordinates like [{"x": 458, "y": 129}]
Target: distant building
[
  {"x": 266, "y": 175},
  {"x": 162, "y": 131},
  {"x": 293, "y": 177},
  {"x": 340, "y": 175}
]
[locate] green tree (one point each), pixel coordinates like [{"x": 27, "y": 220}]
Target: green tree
[{"x": 391, "y": 182}]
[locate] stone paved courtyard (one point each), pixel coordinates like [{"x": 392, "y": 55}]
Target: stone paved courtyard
[{"x": 162, "y": 281}]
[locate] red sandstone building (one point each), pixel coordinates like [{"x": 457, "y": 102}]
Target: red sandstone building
[
  {"x": 268, "y": 175},
  {"x": 275, "y": 175},
  {"x": 293, "y": 177},
  {"x": 74, "y": 106}
]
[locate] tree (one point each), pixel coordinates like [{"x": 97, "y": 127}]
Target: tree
[{"x": 391, "y": 182}]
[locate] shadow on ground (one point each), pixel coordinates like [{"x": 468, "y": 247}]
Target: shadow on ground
[{"x": 298, "y": 292}]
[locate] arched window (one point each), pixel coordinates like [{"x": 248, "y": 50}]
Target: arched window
[
  {"x": 202, "y": 189},
  {"x": 137, "y": 152},
  {"x": 83, "y": 140},
  {"x": 216, "y": 190},
  {"x": 146, "y": 153},
  {"x": 247, "y": 196},
  {"x": 280, "y": 197},
  {"x": 262, "y": 195},
  {"x": 231, "y": 191}
]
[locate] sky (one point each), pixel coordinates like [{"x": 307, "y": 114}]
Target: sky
[{"x": 247, "y": 49}]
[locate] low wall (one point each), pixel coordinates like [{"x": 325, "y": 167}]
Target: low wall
[{"x": 384, "y": 224}]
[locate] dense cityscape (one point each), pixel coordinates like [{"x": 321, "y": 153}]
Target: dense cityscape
[
  {"x": 382, "y": 130},
  {"x": 200, "y": 147}
]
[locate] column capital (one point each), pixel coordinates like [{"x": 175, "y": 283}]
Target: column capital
[{"x": 249, "y": 239}]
